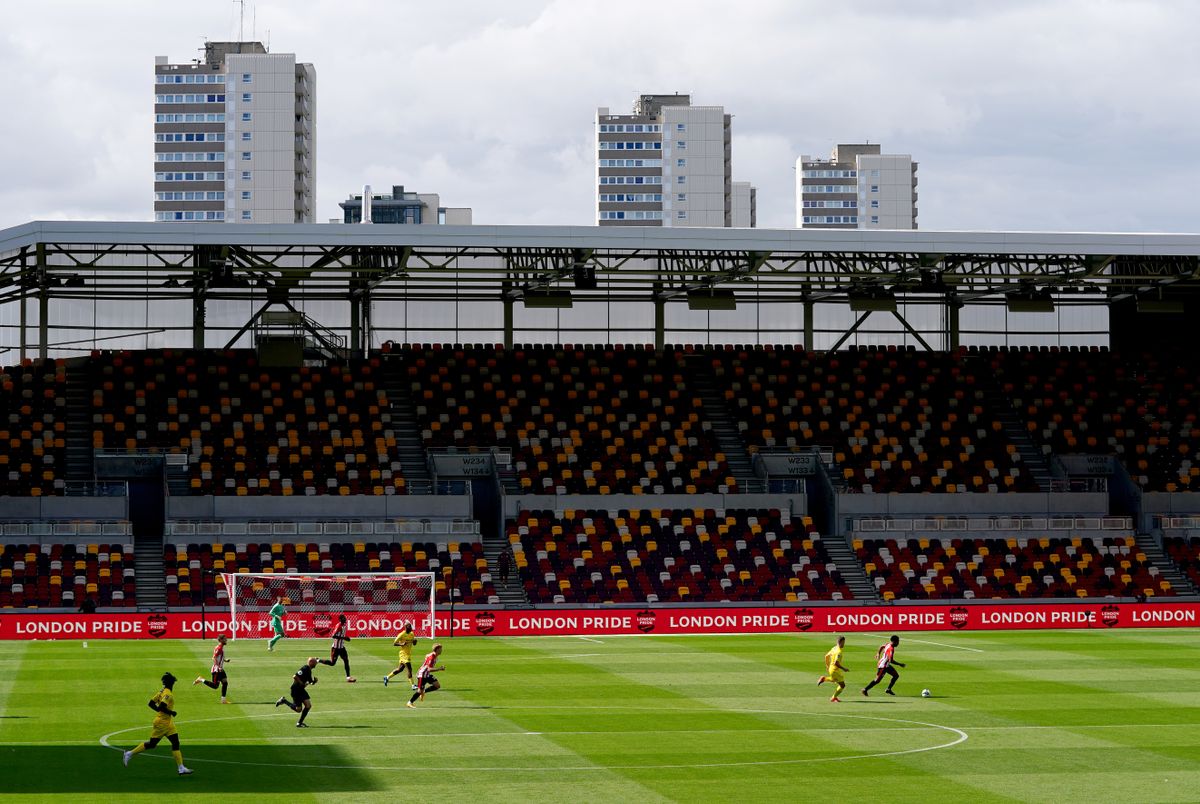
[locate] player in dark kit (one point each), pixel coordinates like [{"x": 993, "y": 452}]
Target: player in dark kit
[
  {"x": 338, "y": 648},
  {"x": 301, "y": 702},
  {"x": 885, "y": 658},
  {"x": 219, "y": 679}
]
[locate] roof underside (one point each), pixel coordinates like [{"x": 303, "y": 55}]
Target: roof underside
[{"x": 148, "y": 261}]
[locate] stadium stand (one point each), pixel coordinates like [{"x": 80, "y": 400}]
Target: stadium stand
[
  {"x": 34, "y": 575},
  {"x": 1139, "y": 406},
  {"x": 32, "y": 428},
  {"x": 193, "y": 567},
  {"x": 1185, "y": 552},
  {"x": 252, "y": 429},
  {"x": 578, "y": 420},
  {"x": 924, "y": 568},
  {"x": 702, "y": 555},
  {"x": 896, "y": 420}
]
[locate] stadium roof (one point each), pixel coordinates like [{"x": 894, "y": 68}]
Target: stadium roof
[{"x": 561, "y": 265}]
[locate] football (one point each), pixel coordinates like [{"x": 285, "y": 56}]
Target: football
[{"x": 925, "y": 693}]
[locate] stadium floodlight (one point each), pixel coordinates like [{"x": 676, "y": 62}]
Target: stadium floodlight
[
  {"x": 872, "y": 301},
  {"x": 314, "y": 601}
]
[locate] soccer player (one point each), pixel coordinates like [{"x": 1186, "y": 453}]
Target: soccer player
[
  {"x": 885, "y": 658},
  {"x": 301, "y": 702},
  {"x": 338, "y": 648},
  {"x": 219, "y": 679},
  {"x": 164, "y": 725},
  {"x": 277, "y": 613},
  {"x": 426, "y": 682},
  {"x": 404, "y": 641},
  {"x": 834, "y": 669}
]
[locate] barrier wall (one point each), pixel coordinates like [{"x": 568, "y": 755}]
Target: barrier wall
[{"x": 611, "y": 622}]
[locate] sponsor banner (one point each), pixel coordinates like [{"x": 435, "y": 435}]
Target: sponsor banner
[{"x": 609, "y": 622}]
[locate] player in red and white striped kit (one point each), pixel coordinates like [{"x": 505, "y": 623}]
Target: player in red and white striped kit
[
  {"x": 219, "y": 679},
  {"x": 338, "y": 649},
  {"x": 426, "y": 682},
  {"x": 885, "y": 658}
]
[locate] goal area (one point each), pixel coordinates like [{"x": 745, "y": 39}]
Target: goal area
[{"x": 314, "y": 600}]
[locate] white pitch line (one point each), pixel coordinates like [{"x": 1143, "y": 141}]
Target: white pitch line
[
  {"x": 577, "y": 655},
  {"x": 928, "y": 642},
  {"x": 589, "y": 639},
  {"x": 960, "y": 737}
]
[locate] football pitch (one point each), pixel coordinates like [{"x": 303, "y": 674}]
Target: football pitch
[{"x": 1014, "y": 716}]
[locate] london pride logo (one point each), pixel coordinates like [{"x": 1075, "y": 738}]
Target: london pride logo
[
  {"x": 959, "y": 617},
  {"x": 646, "y": 620},
  {"x": 485, "y": 622},
  {"x": 156, "y": 624},
  {"x": 802, "y": 619}
]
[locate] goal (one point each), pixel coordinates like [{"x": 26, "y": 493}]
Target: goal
[{"x": 378, "y": 603}]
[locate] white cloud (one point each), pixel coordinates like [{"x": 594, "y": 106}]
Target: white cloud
[{"x": 1073, "y": 114}]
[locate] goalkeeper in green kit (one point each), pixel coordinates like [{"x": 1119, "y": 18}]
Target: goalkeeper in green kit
[{"x": 277, "y": 613}]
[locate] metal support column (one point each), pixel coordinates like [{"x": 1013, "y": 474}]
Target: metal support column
[
  {"x": 199, "y": 317},
  {"x": 953, "y": 306},
  {"x": 355, "y": 322},
  {"x": 660, "y": 322},
  {"x": 508, "y": 319},
  {"x": 43, "y": 302},
  {"x": 809, "y": 312}
]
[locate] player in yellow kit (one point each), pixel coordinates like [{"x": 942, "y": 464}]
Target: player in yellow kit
[
  {"x": 164, "y": 725},
  {"x": 834, "y": 670},
  {"x": 404, "y": 641}
]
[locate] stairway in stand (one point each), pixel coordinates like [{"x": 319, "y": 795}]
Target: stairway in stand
[
  {"x": 1033, "y": 458},
  {"x": 151, "y": 573},
  {"x": 409, "y": 446},
  {"x": 79, "y": 469},
  {"x": 1180, "y": 583},
  {"x": 724, "y": 429},
  {"x": 512, "y": 593},
  {"x": 852, "y": 572}
]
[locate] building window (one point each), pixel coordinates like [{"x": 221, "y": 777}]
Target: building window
[
  {"x": 874, "y": 188},
  {"x": 245, "y": 195},
  {"x": 246, "y": 78},
  {"x": 680, "y": 163},
  {"x": 246, "y": 116},
  {"x": 247, "y": 97},
  {"x": 681, "y": 215},
  {"x": 681, "y": 126},
  {"x": 874, "y": 204},
  {"x": 245, "y": 156},
  {"x": 246, "y": 136},
  {"x": 875, "y": 174},
  {"x": 681, "y": 145},
  {"x": 245, "y": 214},
  {"x": 874, "y": 219},
  {"x": 681, "y": 197},
  {"x": 681, "y": 179},
  {"x": 245, "y": 175}
]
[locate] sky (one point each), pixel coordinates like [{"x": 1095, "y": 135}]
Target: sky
[{"x": 1058, "y": 115}]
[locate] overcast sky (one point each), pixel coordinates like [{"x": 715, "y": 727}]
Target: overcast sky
[{"x": 1066, "y": 115}]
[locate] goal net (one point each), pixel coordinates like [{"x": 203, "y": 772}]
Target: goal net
[{"x": 375, "y": 602}]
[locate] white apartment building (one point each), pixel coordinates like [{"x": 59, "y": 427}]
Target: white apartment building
[
  {"x": 235, "y": 137},
  {"x": 669, "y": 163},
  {"x": 858, "y": 187}
]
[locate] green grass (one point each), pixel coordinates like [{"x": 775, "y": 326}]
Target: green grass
[{"x": 1048, "y": 716}]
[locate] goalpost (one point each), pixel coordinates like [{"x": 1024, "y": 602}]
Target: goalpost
[{"x": 314, "y": 600}]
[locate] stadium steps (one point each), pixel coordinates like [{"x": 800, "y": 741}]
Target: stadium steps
[
  {"x": 511, "y": 594},
  {"x": 704, "y": 385},
  {"x": 79, "y": 469},
  {"x": 409, "y": 448},
  {"x": 1152, "y": 547},
  {"x": 852, "y": 572},
  {"x": 1033, "y": 459},
  {"x": 151, "y": 574}
]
